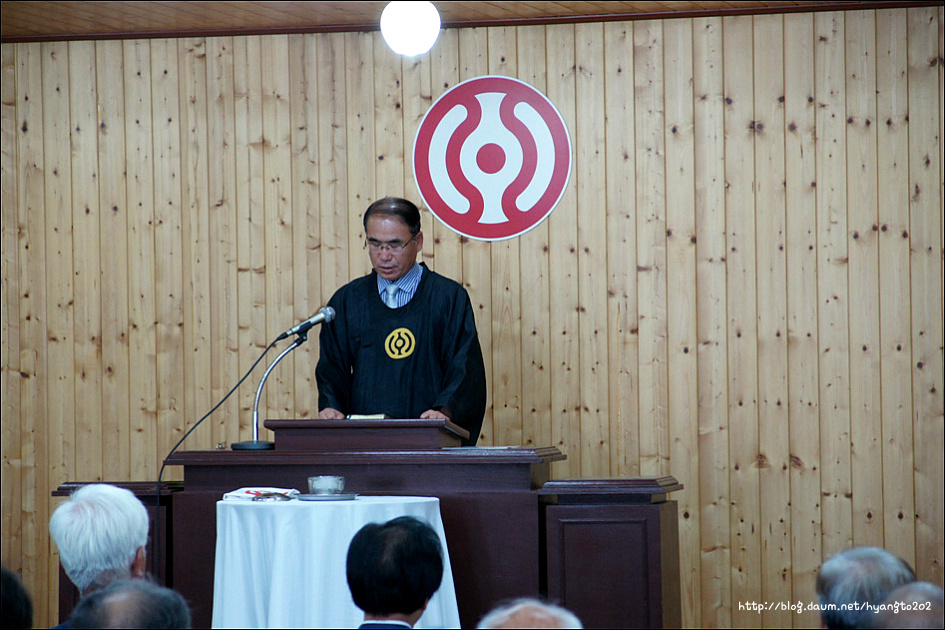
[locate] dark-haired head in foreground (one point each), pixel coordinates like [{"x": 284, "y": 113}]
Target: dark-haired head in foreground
[
  {"x": 131, "y": 604},
  {"x": 17, "y": 606},
  {"x": 862, "y": 575},
  {"x": 394, "y": 569}
]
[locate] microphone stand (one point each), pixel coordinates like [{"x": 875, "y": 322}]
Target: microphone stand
[{"x": 256, "y": 444}]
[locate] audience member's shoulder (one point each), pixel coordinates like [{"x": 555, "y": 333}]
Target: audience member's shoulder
[
  {"x": 17, "y": 605},
  {"x": 913, "y": 605}
]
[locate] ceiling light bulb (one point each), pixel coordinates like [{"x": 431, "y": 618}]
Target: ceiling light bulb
[{"x": 410, "y": 28}]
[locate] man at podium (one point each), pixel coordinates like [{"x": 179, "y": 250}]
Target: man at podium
[{"x": 404, "y": 341}]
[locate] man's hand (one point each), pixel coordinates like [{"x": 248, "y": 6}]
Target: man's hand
[
  {"x": 431, "y": 414},
  {"x": 329, "y": 413}
]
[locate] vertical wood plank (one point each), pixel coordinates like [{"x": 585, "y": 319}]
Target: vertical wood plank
[
  {"x": 86, "y": 243},
  {"x": 168, "y": 248},
  {"x": 771, "y": 242},
  {"x": 113, "y": 228},
  {"x": 307, "y": 286},
  {"x": 195, "y": 237},
  {"x": 682, "y": 345},
  {"x": 651, "y": 244},
  {"x": 863, "y": 245},
  {"x": 36, "y": 470},
  {"x": 714, "y": 608},
  {"x": 361, "y": 152},
  {"x": 506, "y": 288},
  {"x": 925, "y": 236},
  {"x": 142, "y": 308},
  {"x": 832, "y": 288},
  {"x": 535, "y": 272},
  {"x": 11, "y": 404},
  {"x": 802, "y": 250},
  {"x": 251, "y": 230},
  {"x": 622, "y": 327},
  {"x": 224, "y": 302},
  {"x": 60, "y": 377},
  {"x": 563, "y": 299},
  {"x": 477, "y": 262},
  {"x": 333, "y": 151},
  {"x": 895, "y": 322},
  {"x": 742, "y": 316},
  {"x": 417, "y": 89},
  {"x": 591, "y": 187},
  {"x": 388, "y": 120},
  {"x": 277, "y": 197}
]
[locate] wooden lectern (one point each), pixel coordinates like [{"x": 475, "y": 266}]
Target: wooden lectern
[{"x": 488, "y": 498}]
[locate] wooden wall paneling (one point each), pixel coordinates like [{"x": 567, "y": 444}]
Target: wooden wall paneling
[
  {"x": 447, "y": 246},
  {"x": 195, "y": 237},
  {"x": 895, "y": 320},
  {"x": 389, "y": 97},
  {"x": 802, "y": 304},
  {"x": 362, "y": 161},
  {"x": 36, "y": 472},
  {"x": 140, "y": 210},
  {"x": 251, "y": 225},
  {"x": 743, "y": 314},
  {"x": 713, "y": 609},
  {"x": 168, "y": 249},
  {"x": 506, "y": 281},
  {"x": 477, "y": 255},
  {"x": 681, "y": 282},
  {"x": 622, "y": 294},
  {"x": 832, "y": 287},
  {"x": 10, "y": 405},
  {"x": 306, "y": 233},
  {"x": 113, "y": 231},
  {"x": 277, "y": 199},
  {"x": 221, "y": 266},
  {"x": 535, "y": 273},
  {"x": 58, "y": 269},
  {"x": 771, "y": 241},
  {"x": 925, "y": 237},
  {"x": 563, "y": 282},
  {"x": 332, "y": 167},
  {"x": 651, "y": 244},
  {"x": 591, "y": 183},
  {"x": 863, "y": 245}
]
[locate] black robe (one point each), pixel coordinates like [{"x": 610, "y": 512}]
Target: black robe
[{"x": 403, "y": 361}]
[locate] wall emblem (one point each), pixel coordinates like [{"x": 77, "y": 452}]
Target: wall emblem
[
  {"x": 492, "y": 158},
  {"x": 400, "y": 344}
]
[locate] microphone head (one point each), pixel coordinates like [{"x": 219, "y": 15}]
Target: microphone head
[{"x": 328, "y": 313}]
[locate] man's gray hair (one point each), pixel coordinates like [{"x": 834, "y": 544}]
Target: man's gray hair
[
  {"x": 132, "y": 604},
  {"x": 862, "y": 575},
  {"x": 98, "y": 532},
  {"x": 530, "y": 613},
  {"x": 913, "y": 605}
]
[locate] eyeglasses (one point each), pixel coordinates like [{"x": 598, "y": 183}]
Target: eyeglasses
[{"x": 394, "y": 247}]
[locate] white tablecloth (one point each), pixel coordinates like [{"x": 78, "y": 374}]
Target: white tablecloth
[{"x": 282, "y": 564}]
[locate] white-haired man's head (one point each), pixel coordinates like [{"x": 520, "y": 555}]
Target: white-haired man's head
[
  {"x": 529, "y": 613},
  {"x": 101, "y": 533}
]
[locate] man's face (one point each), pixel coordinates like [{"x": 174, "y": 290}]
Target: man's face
[{"x": 385, "y": 236}]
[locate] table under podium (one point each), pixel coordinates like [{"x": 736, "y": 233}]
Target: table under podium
[{"x": 492, "y": 505}]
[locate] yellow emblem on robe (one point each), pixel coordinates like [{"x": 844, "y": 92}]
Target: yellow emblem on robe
[{"x": 400, "y": 344}]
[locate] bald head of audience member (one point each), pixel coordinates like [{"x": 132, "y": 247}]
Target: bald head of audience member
[
  {"x": 101, "y": 533},
  {"x": 530, "y": 613},
  {"x": 862, "y": 575},
  {"x": 914, "y": 605},
  {"x": 131, "y": 604}
]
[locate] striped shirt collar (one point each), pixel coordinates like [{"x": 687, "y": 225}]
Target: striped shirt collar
[{"x": 407, "y": 284}]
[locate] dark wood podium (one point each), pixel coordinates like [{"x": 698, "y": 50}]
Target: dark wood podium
[{"x": 495, "y": 514}]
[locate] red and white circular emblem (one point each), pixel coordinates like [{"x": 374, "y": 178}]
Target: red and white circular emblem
[{"x": 492, "y": 158}]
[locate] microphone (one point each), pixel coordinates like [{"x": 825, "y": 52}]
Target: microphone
[{"x": 324, "y": 315}]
